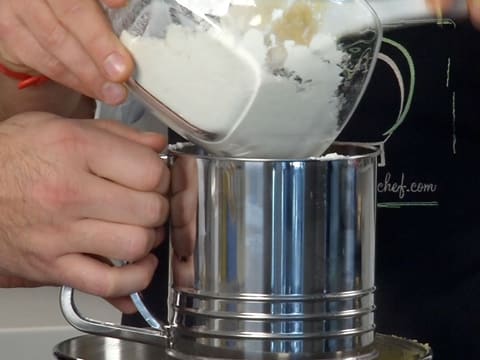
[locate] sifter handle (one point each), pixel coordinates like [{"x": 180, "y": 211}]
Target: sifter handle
[{"x": 157, "y": 336}]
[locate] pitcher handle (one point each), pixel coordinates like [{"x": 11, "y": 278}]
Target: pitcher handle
[
  {"x": 137, "y": 298},
  {"x": 157, "y": 336}
]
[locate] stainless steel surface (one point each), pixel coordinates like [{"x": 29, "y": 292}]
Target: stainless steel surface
[
  {"x": 91, "y": 326},
  {"x": 283, "y": 256},
  {"x": 284, "y": 253},
  {"x": 90, "y": 347}
]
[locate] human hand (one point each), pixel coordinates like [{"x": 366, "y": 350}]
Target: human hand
[
  {"x": 445, "y": 5},
  {"x": 74, "y": 192},
  {"x": 69, "y": 41},
  {"x": 10, "y": 281}
]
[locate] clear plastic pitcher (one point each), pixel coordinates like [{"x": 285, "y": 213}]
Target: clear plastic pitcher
[{"x": 251, "y": 78}]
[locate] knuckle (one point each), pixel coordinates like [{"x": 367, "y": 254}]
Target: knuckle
[
  {"x": 155, "y": 174},
  {"x": 7, "y": 29},
  {"x": 145, "y": 277},
  {"x": 66, "y": 134},
  {"x": 165, "y": 210},
  {"x": 72, "y": 9},
  {"x": 155, "y": 209},
  {"x": 139, "y": 244},
  {"x": 98, "y": 37},
  {"x": 144, "y": 281},
  {"x": 102, "y": 284},
  {"x": 54, "y": 68},
  {"x": 165, "y": 180},
  {"x": 56, "y": 192},
  {"x": 55, "y": 37},
  {"x": 101, "y": 42},
  {"x": 105, "y": 285}
]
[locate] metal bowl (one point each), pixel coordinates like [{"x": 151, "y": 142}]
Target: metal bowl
[{"x": 89, "y": 347}]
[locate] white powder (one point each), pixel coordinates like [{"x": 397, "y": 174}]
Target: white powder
[
  {"x": 333, "y": 156},
  {"x": 197, "y": 75},
  {"x": 225, "y": 85}
]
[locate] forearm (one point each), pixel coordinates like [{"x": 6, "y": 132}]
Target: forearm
[{"x": 49, "y": 97}]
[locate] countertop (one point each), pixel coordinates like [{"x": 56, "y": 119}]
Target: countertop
[{"x": 31, "y": 322}]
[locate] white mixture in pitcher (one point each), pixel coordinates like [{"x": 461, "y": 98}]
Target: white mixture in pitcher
[{"x": 261, "y": 100}]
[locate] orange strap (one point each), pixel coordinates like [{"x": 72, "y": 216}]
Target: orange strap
[{"x": 25, "y": 80}]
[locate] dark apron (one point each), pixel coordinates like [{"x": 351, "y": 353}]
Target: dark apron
[
  {"x": 428, "y": 228},
  {"x": 428, "y": 239}
]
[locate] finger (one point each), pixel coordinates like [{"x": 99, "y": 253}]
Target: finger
[
  {"x": 61, "y": 44},
  {"x": 156, "y": 141},
  {"x": 127, "y": 163},
  {"x": 113, "y": 240},
  {"x": 29, "y": 53},
  {"x": 474, "y": 11},
  {"x": 94, "y": 277},
  {"x": 97, "y": 38},
  {"x": 438, "y": 7},
  {"x": 107, "y": 201},
  {"x": 124, "y": 304}
]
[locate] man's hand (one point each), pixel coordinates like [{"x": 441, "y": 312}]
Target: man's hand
[
  {"x": 444, "y": 5},
  {"x": 74, "y": 193},
  {"x": 69, "y": 41}
]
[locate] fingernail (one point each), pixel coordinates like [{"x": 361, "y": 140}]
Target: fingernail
[
  {"x": 115, "y": 66},
  {"x": 113, "y": 94}
]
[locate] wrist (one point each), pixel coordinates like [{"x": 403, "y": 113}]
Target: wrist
[
  {"x": 43, "y": 98},
  {"x": 24, "y": 79}
]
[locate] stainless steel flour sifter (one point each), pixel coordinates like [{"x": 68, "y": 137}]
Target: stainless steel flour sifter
[{"x": 282, "y": 262}]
